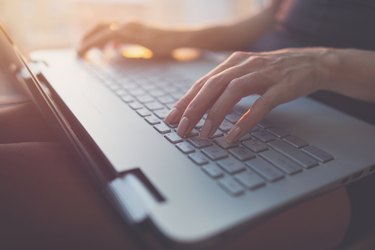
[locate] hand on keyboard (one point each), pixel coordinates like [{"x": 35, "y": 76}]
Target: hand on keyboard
[
  {"x": 279, "y": 76},
  {"x": 265, "y": 155}
]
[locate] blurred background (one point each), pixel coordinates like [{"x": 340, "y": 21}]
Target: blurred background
[{"x": 42, "y": 24}]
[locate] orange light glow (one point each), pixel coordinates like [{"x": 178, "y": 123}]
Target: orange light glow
[
  {"x": 114, "y": 26},
  {"x": 185, "y": 54},
  {"x": 136, "y": 51}
]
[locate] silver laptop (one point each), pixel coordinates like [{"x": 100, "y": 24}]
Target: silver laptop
[{"x": 193, "y": 192}]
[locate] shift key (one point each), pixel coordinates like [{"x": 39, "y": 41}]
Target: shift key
[{"x": 300, "y": 157}]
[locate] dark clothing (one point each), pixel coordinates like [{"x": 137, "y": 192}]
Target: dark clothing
[
  {"x": 334, "y": 23},
  {"x": 326, "y": 23},
  {"x": 339, "y": 24}
]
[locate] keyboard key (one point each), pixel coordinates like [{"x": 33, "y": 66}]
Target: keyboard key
[
  {"x": 317, "y": 153},
  {"x": 177, "y": 95},
  {"x": 231, "y": 165},
  {"x": 233, "y": 117},
  {"x": 114, "y": 86},
  {"x": 173, "y": 137},
  {"x": 282, "y": 162},
  {"x": 198, "y": 158},
  {"x": 170, "y": 105},
  {"x": 173, "y": 125},
  {"x": 265, "y": 124},
  {"x": 145, "y": 98},
  {"x": 152, "y": 120},
  {"x": 121, "y": 92},
  {"x": 256, "y": 128},
  {"x": 249, "y": 179},
  {"x": 161, "y": 113},
  {"x": 280, "y": 133},
  {"x": 213, "y": 170},
  {"x": 200, "y": 123},
  {"x": 245, "y": 137},
  {"x": 143, "y": 112},
  {"x": 192, "y": 133},
  {"x": 264, "y": 136},
  {"x": 305, "y": 160},
  {"x": 157, "y": 93},
  {"x": 127, "y": 98},
  {"x": 137, "y": 92},
  {"x": 162, "y": 128},
  {"x": 148, "y": 86},
  {"x": 166, "y": 99},
  {"x": 135, "y": 105},
  {"x": 241, "y": 153},
  {"x": 265, "y": 169},
  {"x": 225, "y": 126},
  {"x": 127, "y": 85},
  {"x": 199, "y": 143},
  {"x": 255, "y": 145},
  {"x": 217, "y": 134},
  {"x": 215, "y": 152},
  {"x": 185, "y": 147},
  {"x": 231, "y": 186},
  {"x": 154, "y": 105},
  {"x": 224, "y": 144},
  {"x": 295, "y": 141}
]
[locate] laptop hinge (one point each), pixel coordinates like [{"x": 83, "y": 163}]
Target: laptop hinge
[
  {"x": 34, "y": 66},
  {"x": 133, "y": 197}
]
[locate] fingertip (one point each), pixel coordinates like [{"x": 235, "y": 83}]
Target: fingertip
[
  {"x": 206, "y": 130},
  {"x": 183, "y": 127},
  {"x": 172, "y": 116},
  {"x": 233, "y": 134},
  {"x": 80, "y": 52}
]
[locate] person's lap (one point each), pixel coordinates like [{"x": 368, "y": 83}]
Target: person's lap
[{"x": 47, "y": 201}]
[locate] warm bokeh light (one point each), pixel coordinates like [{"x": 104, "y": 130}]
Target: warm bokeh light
[
  {"x": 185, "y": 54},
  {"x": 50, "y": 24},
  {"x": 136, "y": 51},
  {"x": 114, "y": 26}
]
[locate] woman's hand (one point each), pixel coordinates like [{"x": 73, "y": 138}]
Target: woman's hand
[
  {"x": 278, "y": 77},
  {"x": 231, "y": 36},
  {"x": 160, "y": 41}
]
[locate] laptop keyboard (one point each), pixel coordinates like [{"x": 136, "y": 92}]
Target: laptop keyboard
[{"x": 265, "y": 155}]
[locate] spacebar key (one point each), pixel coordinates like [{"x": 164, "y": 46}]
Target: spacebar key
[{"x": 305, "y": 160}]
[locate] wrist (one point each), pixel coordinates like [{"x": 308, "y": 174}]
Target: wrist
[
  {"x": 331, "y": 68},
  {"x": 206, "y": 38}
]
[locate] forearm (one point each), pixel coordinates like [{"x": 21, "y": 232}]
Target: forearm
[
  {"x": 352, "y": 73},
  {"x": 234, "y": 36}
]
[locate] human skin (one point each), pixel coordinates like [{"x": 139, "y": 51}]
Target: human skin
[
  {"x": 231, "y": 36},
  {"x": 277, "y": 77}
]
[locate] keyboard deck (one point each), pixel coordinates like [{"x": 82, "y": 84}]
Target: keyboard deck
[{"x": 265, "y": 155}]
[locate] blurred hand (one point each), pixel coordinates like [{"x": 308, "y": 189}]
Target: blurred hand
[
  {"x": 160, "y": 41},
  {"x": 278, "y": 77}
]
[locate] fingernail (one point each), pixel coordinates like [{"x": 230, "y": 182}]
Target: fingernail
[
  {"x": 206, "y": 129},
  {"x": 233, "y": 134},
  {"x": 183, "y": 126},
  {"x": 171, "y": 116}
]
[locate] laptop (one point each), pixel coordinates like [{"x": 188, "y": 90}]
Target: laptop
[{"x": 192, "y": 193}]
